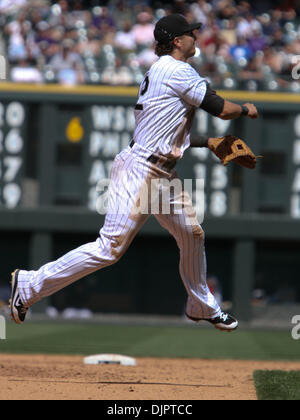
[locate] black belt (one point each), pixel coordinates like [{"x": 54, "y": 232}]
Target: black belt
[{"x": 168, "y": 164}]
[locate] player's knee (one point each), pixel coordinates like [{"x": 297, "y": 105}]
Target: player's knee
[
  {"x": 111, "y": 248},
  {"x": 117, "y": 249},
  {"x": 116, "y": 254}
]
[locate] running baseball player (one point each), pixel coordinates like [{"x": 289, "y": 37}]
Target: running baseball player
[{"x": 168, "y": 97}]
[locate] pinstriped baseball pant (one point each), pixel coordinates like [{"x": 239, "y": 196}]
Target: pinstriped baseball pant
[{"x": 130, "y": 173}]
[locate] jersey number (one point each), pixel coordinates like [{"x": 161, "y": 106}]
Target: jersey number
[{"x": 145, "y": 85}]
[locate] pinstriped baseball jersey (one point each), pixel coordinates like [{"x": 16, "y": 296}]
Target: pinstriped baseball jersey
[{"x": 168, "y": 97}]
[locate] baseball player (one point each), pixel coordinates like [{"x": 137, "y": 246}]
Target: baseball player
[{"x": 168, "y": 97}]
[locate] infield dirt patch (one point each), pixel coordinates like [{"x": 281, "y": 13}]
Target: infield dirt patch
[{"x": 44, "y": 377}]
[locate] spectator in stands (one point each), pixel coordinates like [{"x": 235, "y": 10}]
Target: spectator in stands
[
  {"x": 34, "y": 31},
  {"x": 243, "y": 8},
  {"x": 179, "y": 6},
  {"x": 273, "y": 59},
  {"x": 247, "y": 25},
  {"x": 16, "y": 43},
  {"x": 44, "y": 33},
  {"x": 209, "y": 37},
  {"x": 117, "y": 74},
  {"x": 257, "y": 41},
  {"x": 125, "y": 38},
  {"x": 200, "y": 10},
  {"x": 252, "y": 72},
  {"x": 121, "y": 13},
  {"x": 241, "y": 50},
  {"x": 89, "y": 45},
  {"x": 10, "y": 6},
  {"x": 26, "y": 73},
  {"x": 277, "y": 41},
  {"x": 146, "y": 58},
  {"x": 270, "y": 25},
  {"x": 225, "y": 9},
  {"x": 67, "y": 64},
  {"x": 103, "y": 20},
  {"x": 142, "y": 31}
]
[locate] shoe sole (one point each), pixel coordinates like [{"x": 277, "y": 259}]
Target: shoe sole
[
  {"x": 14, "y": 284},
  {"x": 225, "y": 329},
  {"x": 218, "y": 328}
]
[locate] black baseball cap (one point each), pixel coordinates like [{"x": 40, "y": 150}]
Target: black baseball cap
[{"x": 168, "y": 27}]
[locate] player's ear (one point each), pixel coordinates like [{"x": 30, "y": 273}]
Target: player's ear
[{"x": 176, "y": 41}]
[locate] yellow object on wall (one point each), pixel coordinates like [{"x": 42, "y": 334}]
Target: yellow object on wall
[{"x": 74, "y": 131}]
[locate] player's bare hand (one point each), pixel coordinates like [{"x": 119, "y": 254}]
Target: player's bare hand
[{"x": 253, "y": 113}]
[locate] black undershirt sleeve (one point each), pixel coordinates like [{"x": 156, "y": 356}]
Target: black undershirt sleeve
[
  {"x": 198, "y": 141},
  {"x": 212, "y": 102}
]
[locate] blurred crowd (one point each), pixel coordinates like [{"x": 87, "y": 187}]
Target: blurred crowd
[{"x": 253, "y": 45}]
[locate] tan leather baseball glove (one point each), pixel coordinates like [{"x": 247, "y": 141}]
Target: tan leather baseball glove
[{"x": 231, "y": 148}]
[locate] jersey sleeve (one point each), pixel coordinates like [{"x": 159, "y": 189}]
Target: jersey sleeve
[{"x": 188, "y": 85}]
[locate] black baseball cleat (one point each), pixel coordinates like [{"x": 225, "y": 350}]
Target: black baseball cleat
[
  {"x": 224, "y": 322},
  {"x": 17, "y": 309}
]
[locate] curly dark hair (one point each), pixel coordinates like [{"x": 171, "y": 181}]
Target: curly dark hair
[{"x": 164, "y": 49}]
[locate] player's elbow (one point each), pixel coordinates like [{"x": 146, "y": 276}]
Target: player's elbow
[{"x": 225, "y": 115}]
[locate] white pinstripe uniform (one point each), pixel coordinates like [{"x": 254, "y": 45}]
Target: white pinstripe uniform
[{"x": 168, "y": 97}]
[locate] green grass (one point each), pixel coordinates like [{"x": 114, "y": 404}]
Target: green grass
[
  {"x": 148, "y": 341},
  {"x": 277, "y": 384}
]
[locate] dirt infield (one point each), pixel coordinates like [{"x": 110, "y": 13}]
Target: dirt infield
[{"x": 30, "y": 377}]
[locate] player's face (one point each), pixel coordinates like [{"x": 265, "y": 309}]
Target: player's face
[{"x": 188, "y": 44}]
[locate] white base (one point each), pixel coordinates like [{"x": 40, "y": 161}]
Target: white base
[{"x": 109, "y": 359}]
